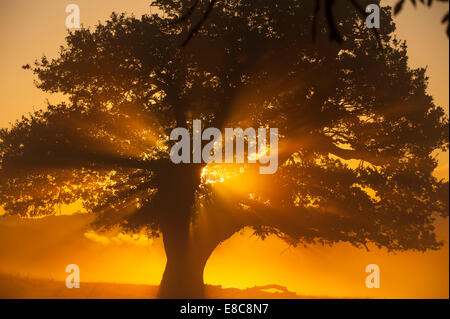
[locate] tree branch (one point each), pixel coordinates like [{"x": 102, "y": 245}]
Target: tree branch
[{"x": 77, "y": 160}]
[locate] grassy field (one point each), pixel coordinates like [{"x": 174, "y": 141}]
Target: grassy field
[{"x": 16, "y": 287}]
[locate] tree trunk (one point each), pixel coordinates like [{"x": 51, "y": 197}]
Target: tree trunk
[
  {"x": 187, "y": 247},
  {"x": 187, "y": 250},
  {"x": 183, "y": 275}
]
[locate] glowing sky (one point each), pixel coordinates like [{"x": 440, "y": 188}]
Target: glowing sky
[{"x": 42, "y": 248}]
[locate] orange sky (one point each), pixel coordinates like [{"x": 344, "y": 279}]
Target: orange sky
[{"x": 43, "y": 248}]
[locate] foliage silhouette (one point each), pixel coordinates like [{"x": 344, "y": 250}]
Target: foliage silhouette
[
  {"x": 329, "y": 9},
  {"x": 358, "y": 133}
]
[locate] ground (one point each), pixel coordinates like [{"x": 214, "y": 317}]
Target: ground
[{"x": 17, "y": 287}]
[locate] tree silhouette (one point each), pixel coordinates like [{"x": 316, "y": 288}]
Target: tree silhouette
[{"x": 358, "y": 133}]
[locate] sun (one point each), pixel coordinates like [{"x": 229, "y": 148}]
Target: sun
[{"x": 219, "y": 173}]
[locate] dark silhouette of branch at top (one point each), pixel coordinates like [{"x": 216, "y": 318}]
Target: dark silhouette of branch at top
[
  {"x": 188, "y": 13},
  {"x": 199, "y": 24},
  {"x": 335, "y": 35},
  {"x": 399, "y": 6}
]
